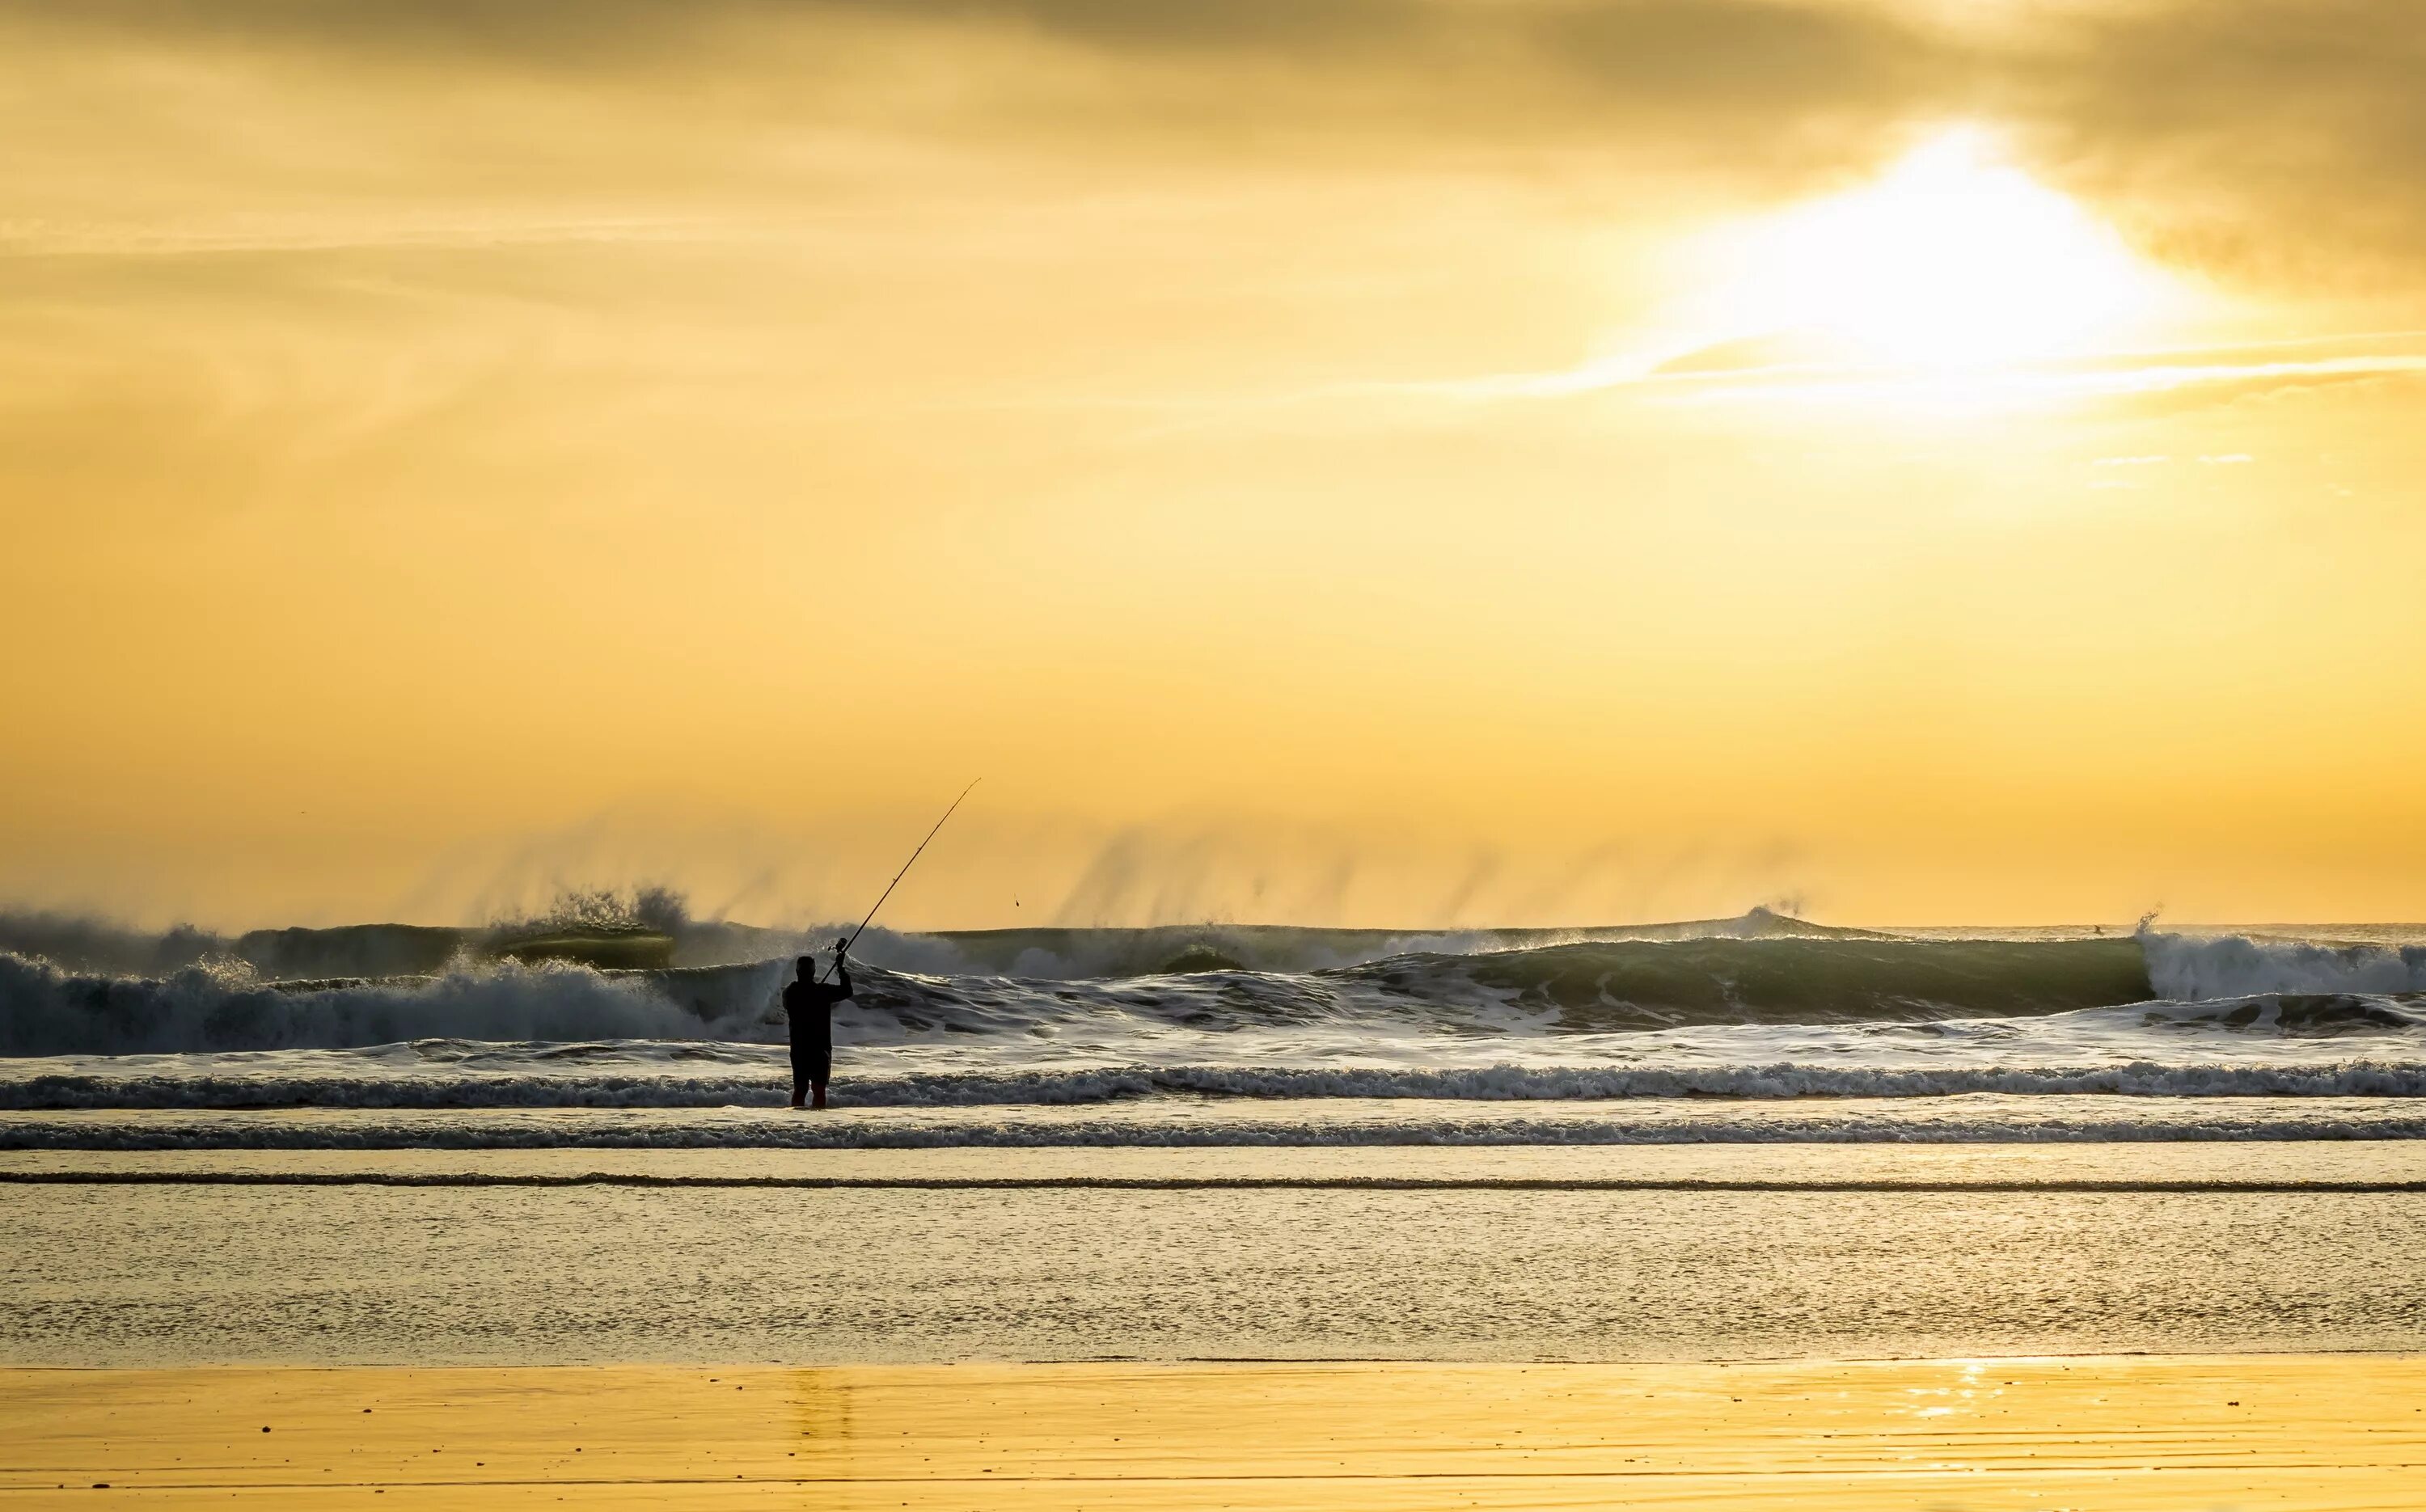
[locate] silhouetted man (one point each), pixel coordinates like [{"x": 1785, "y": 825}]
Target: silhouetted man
[{"x": 809, "y": 1004}]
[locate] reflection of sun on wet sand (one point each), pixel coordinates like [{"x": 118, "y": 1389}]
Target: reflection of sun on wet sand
[{"x": 2107, "y": 1433}]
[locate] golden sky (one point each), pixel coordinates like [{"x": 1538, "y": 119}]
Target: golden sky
[{"x": 1385, "y": 462}]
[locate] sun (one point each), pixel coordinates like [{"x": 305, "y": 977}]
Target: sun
[{"x": 1954, "y": 258}]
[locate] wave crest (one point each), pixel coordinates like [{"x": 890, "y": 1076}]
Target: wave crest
[
  {"x": 1595, "y": 987},
  {"x": 45, "y": 1011},
  {"x": 2201, "y": 968}
]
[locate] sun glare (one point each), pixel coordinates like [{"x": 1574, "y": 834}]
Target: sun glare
[{"x": 1954, "y": 258}]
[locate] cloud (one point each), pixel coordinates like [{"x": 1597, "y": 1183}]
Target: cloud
[
  {"x": 1636, "y": 39},
  {"x": 2275, "y": 140},
  {"x": 2278, "y": 143},
  {"x": 1764, "y": 55},
  {"x": 1483, "y": 72}
]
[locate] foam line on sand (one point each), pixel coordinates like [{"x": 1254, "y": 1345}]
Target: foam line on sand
[{"x": 1189, "y": 1184}]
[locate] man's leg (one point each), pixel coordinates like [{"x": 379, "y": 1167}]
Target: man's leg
[
  {"x": 816, "y": 1096},
  {"x": 801, "y": 1082}
]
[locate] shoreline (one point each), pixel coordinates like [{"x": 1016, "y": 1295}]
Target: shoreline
[
  {"x": 1416, "y": 1184},
  {"x": 1190, "y": 1122}
]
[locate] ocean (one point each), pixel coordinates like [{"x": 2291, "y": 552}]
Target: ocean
[
  {"x": 1746, "y": 1138},
  {"x": 1757, "y": 1029}
]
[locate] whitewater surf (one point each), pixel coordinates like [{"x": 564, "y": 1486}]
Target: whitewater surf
[{"x": 1713, "y": 1031}]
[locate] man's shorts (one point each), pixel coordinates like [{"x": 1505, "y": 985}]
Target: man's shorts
[{"x": 811, "y": 1064}]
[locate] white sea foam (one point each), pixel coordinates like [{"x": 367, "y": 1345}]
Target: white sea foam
[
  {"x": 1977, "y": 1119},
  {"x": 1116, "y": 1083},
  {"x": 2196, "y": 968}
]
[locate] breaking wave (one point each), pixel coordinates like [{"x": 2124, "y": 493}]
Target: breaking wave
[
  {"x": 2201, "y": 968},
  {"x": 1724, "y": 1032},
  {"x": 1599, "y": 987},
  {"x": 46, "y": 1011},
  {"x": 91, "y": 946}
]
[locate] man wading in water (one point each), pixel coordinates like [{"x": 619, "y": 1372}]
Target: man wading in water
[{"x": 809, "y": 1004}]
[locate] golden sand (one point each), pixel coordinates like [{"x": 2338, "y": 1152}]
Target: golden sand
[{"x": 2100, "y": 1435}]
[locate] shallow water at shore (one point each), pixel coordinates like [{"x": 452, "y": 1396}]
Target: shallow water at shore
[{"x": 1912, "y": 1264}]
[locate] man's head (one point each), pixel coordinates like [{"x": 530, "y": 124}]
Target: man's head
[{"x": 806, "y": 967}]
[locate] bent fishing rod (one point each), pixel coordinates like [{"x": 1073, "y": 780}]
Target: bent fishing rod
[{"x": 843, "y": 947}]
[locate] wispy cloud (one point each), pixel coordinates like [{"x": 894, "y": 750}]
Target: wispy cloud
[{"x": 1657, "y": 378}]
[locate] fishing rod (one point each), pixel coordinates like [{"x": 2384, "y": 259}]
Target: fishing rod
[{"x": 843, "y": 947}]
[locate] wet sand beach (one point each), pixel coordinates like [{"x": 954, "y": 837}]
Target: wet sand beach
[{"x": 2110, "y": 1433}]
